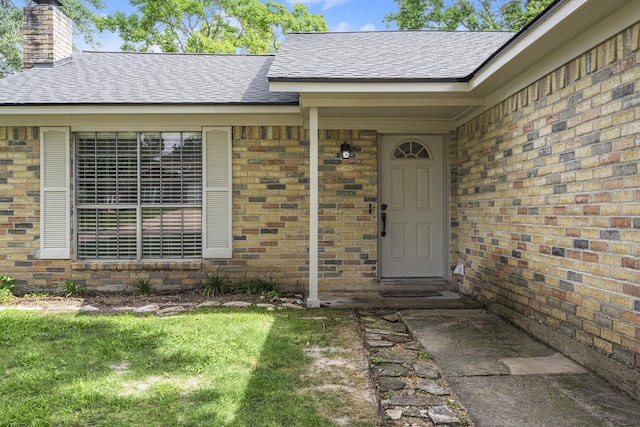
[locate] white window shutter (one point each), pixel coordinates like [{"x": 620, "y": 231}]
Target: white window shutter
[
  {"x": 217, "y": 209},
  {"x": 54, "y": 193}
]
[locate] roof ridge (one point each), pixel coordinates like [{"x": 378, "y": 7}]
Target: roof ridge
[
  {"x": 406, "y": 31},
  {"x": 259, "y": 55}
]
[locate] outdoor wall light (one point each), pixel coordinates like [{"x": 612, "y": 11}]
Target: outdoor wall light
[{"x": 345, "y": 150}]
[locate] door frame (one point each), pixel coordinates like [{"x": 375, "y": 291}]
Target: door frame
[{"x": 446, "y": 268}]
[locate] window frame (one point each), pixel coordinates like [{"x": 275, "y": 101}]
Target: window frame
[{"x": 219, "y": 249}]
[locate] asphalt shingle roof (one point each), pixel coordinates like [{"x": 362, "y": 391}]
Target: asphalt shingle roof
[
  {"x": 384, "y": 56},
  {"x": 146, "y": 79}
]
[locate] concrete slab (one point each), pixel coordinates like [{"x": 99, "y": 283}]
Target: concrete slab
[
  {"x": 473, "y": 343},
  {"x": 503, "y": 377},
  {"x": 540, "y": 401},
  {"x": 373, "y": 299},
  {"x": 546, "y": 365}
]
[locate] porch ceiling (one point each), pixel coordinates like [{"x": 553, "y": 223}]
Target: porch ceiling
[
  {"x": 384, "y": 107},
  {"x": 399, "y": 113}
]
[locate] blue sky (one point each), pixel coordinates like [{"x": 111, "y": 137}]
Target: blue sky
[{"x": 341, "y": 15}]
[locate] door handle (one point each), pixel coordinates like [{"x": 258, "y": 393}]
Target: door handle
[{"x": 384, "y": 220}]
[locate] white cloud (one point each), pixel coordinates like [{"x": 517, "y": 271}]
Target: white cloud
[
  {"x": 342, "y": 27},
  {"x": 325, "y": 4},
  {"x": 368, "y": 27}
]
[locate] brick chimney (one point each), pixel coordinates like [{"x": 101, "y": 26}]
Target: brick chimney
[{"x": 47, "y": 35}]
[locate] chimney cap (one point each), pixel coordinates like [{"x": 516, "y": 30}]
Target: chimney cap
[{"x": 49, "y": 2}]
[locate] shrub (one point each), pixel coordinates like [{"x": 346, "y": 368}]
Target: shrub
[
  {"x": 7, "y": 282},
  {"x": 6, "y": 296},
  {"x": 217, "y": 283},
  {"x": 259, "y": 286},
  {"x": 143, "y": 285},
  {"x": 71, "y": 289},
  {"x": 6, "y": 289}
]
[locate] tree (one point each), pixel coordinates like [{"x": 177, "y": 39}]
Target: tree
[
  {"x": 209, "y": 26},
  {"x": 475, "y": 15},
  {"x": 80, "y": 11},
  {"x": 10, "y": 38}
]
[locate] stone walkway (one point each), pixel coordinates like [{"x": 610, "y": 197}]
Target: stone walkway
[
  {"x": 158, "y": 309},
  {"x": 411, "y": 389}
]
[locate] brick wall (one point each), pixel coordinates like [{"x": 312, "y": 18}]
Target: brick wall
[
  {"x": 347, "y": 201},
  {"x": 47, "y": 35},
  {"x": 271, "y": 208},
  {"x": 20, "y": 201},
  {"x": 270, "y": 216},
  {"x": 546, "y": 191}
]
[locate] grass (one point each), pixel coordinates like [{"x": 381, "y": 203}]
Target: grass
[{"x": 222, "y": 367}]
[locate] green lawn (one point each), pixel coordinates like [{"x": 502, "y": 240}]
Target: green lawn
[{"x": 220, "y": 367}]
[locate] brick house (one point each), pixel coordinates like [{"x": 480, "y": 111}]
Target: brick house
[{"x": 513, "y": 155}]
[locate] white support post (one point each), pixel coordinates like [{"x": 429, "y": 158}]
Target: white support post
[{"x": 312, "y": 300}]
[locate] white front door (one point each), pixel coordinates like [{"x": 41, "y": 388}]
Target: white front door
[{"x": 412, "y": 203}]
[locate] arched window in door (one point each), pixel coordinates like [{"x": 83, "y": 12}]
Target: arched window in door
[{"x": 411, "y": 149}]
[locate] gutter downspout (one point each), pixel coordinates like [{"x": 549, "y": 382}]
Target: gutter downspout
[{"x": 312, "y": 299}]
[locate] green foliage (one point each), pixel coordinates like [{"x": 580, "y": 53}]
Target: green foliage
[
  {"x": 82, "y": 12},
  {"x": 6, "y": 296},
  {"x": 209, "y": 26},
  {"x": 10, "y": 38},
  {"x": 474, "y": 15},
  {"x": 425, "y": 355},
  {"x": 219, "y": 283},
  {"x": 464, "y": 421},
  {"x": 71, "y": 289},
  {"x": 258, "y": 286},
  {"x": 143, "y": 285},
  {"x": 216, "y": 283},
  {"x": 7, "y": 282},
  {"x": 375, "y": 360},
  {"x": 36, "y": 295},
  {"x": 275, "y": 293}
]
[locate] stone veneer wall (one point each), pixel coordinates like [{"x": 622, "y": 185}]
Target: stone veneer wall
[
  {"x": 547, "y": 205},
  {"x": 270, "y": 216}
]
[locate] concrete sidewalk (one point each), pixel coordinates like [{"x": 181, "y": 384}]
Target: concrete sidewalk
[{"x": 503, "y": 377}]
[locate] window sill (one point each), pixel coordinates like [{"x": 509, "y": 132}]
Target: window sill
[{"x": 137, "y": 265}]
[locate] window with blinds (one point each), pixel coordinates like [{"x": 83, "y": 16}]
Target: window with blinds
[{"x": 138, "y": 195}]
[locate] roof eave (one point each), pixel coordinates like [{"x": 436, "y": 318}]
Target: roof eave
[
  {"x": 455, "y": 85},
  {"x": 528, "y": 39},
  {"x": 368, "y": 80},
  {"x": 129, "y": 109}
]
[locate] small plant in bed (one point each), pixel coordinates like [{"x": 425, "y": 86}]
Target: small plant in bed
[
  {"x": 7, "y": 284},
  {"x": 143, "y": 286},
  {"x": 260, "y": 286},
  {"x": 217, "y": 283},
  {"x": 70, "y": 288}
]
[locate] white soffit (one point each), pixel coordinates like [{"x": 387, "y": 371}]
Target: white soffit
[{"x": 360, "y": 100}]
